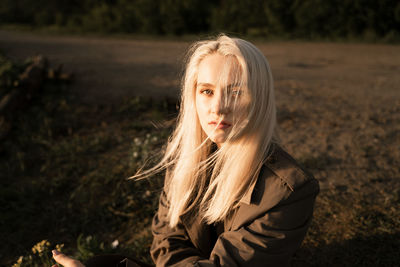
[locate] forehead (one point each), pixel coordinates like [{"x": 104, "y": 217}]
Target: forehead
[{"x": 217, "y": 69}]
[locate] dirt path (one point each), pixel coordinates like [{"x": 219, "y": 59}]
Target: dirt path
[
  {"x": 338, "y": 104},
  {"x": 111, "y": 69},
  {"x": 105, "y": 69}
]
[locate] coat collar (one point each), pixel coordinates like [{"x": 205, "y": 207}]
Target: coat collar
[
  {"x": 277, "y": 162},
  {"x": 279, "y": 176},
  {"x": 246, "y": 199}
]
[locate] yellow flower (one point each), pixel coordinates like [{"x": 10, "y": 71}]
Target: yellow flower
[
  {"x": 40, "y": 247},
  {"x": 59, "y": 247},
  {"x": 19, "y": 261}
]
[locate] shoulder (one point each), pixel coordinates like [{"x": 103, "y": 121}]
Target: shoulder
[
  {"x": 283, "y": 187},
  {"x": 282, "y": 177},
  {"x": 285, "y": 168}
]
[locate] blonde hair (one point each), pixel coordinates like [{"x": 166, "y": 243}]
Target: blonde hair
[{"x": 213, "y": 182}]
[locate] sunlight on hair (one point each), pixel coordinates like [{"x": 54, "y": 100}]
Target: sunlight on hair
[{"x": 213, "y": 182}]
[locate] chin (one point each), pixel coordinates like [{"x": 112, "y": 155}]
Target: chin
[{"x": 218, "y": 139}]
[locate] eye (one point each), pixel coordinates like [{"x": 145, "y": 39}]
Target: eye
[
  {"x": 236, "y": 93},
  {"x": 206, "y": 91}
]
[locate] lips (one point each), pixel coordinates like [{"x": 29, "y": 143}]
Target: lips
[{"x": 222, "y": 125}]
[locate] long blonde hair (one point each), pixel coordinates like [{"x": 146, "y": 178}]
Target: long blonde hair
[{"x": 213, "y": 182}]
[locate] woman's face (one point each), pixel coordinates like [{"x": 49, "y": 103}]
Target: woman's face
[{"x": 220, "y": 103}]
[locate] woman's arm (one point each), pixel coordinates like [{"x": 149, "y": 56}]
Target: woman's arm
[
  {"x": 171, "y": 246},
  {"x": 269, "y": 240},
  {"x": 272, "y": 238}
]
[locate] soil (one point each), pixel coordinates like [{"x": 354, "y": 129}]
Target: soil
[{"x": 338, "y": 104}]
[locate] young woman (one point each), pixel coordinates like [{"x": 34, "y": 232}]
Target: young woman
[{"x": 232, "y": 195}]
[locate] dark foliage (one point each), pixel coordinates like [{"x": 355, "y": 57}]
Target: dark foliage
[{"x": 308, "y": 19}]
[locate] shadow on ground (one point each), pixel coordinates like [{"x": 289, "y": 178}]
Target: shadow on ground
[{"x": 376, "y": 250}]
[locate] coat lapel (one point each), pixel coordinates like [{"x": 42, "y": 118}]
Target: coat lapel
[
  {"x": 267, "y": 193},
  {"x": 275, "y": 181}
]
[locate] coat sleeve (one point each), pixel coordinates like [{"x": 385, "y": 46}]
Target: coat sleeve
[
  {"x": 171, "y": 246},
  {"x": 272, "y": 238},
  {"x": 269, "y": 240}
]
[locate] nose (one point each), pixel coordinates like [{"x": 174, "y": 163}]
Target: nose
[{"x": 219, "y": 104}]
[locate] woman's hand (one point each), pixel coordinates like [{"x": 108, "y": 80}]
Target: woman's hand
[{"x": 65, "y": 260}]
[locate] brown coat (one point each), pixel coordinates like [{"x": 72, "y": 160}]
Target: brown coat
[{"x": 265, "y": 230}]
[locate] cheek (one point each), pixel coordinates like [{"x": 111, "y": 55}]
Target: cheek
[
  {"x": 201, "y": 108},
  {"x": 241, "y": 111}
]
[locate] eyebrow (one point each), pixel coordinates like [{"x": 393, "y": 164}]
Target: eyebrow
[
  {"x": 211, "y": 85},
  {"x": 205, "y": 85}
]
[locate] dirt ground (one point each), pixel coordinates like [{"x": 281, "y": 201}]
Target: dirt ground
[
  {"x": 338, "y": 112},
  {"x": 110, "y": 69},
  {"x": 338, "y": 104}
]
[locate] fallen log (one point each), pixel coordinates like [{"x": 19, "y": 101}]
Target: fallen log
[{"x": 29, "y": 83}]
